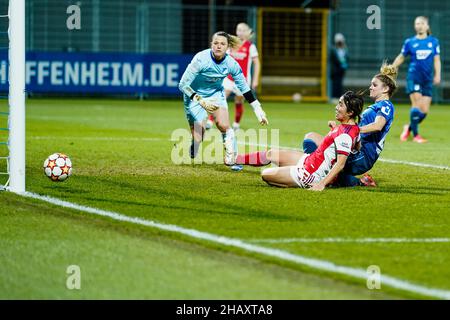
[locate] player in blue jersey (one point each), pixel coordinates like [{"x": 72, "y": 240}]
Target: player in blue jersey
[
  {"x": 374, "y": 126},
  {"x": 203, "y": 92},
  {"x": 425, "y": 58}
]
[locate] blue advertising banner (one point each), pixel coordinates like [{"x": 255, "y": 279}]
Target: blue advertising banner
[{"x": 58, "y": 72}]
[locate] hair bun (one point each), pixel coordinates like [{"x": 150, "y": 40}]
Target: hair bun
[{"x": 389, "y": 70}]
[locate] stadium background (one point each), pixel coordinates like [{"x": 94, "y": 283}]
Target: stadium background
[
  {"x": 292, "y": 41},
  {"x": 121, "y": 150}
]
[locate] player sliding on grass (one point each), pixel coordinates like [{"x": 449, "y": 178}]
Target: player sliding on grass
[
  {"x": 321, "y": 167},
  {"x": 203, "y": 91},
  {"x": 374, "y": 126},
  {"x": 425, "y": 56}
]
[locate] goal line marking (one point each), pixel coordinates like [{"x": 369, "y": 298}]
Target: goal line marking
[
  {"x": 313, "y": 263},
  {"x": 351, "y": 240}
]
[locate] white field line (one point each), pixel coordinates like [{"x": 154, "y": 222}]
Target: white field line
[
  {"x": 415, "y": 164},
  {"x": 94, "y": 138},
  {"x": 237, "y": 243},
  {"x": 350, "y": 240}
]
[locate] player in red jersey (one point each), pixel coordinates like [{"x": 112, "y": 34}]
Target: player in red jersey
[
  {"x": 320, "y": 168},
  {"x": 247, "y": 57}
]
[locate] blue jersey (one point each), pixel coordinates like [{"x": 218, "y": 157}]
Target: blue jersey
[
  {"x": 373, "y": 142},
  {"x": 422, "y": 52},
  {"x": 204, "y": 75}
]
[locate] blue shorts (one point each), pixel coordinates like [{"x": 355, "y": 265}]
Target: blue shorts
[
  {"x": 425, "y": 88},
  {"x": 358, "y": 163},
  {"x": 194, "y": 111}
]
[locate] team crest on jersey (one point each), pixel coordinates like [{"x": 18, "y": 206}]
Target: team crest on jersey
[
  {"x": 430, "y": 45},
  {"x": 422, "y": 54},
  {"x": 386, "y": 110}
]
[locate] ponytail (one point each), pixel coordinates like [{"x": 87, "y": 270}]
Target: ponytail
[{"x": 388, "y": 74}]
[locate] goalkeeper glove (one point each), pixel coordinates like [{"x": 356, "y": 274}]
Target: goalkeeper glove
[
  {"x": 208, "y": 106},
  {"x": 259, "y": 112}
]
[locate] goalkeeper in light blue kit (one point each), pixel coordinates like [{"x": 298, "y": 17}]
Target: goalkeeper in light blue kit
[
  {"x": 425, "y": 56},
  {"x": 203, "y": 91}
]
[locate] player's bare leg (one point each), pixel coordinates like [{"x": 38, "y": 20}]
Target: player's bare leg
[
  {"x": 276, "y": 156},
  {"x": 314, "y": 136},
  {"x": 311, "y": 141},
  {"x": 209, "y": 122},
  {"x": 198, "y": 132},
  {"x": 239, "y": 110},
  {"x": 279, "y": 177},
  {"x": 425, "y": 104},
  {"x": 284, "y": 158}
]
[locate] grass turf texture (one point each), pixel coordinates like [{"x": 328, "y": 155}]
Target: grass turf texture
[{"x": 122, "y": 162}]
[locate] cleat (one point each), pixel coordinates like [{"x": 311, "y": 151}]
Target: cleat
[
  {"x": 405, "y": 133},
  {"x": 236, "y": 126},
  {"x": 237, "y": 167},
  {"x": 367, "y": 181},
  {"x": 419, "y": 139},
  {"x": 209, "y": 124}
]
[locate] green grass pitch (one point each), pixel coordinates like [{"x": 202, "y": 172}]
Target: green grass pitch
[{"x": 121, "y": 152}]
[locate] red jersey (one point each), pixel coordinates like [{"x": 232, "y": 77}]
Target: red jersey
[
  {"x": 244, "y": 56},
  {"x": 341, "y": 140}
]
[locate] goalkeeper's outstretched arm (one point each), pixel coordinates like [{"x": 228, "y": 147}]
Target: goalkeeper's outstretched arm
[{"x": 256, "y": 105}]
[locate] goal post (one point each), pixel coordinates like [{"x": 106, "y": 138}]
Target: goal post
[
  {"x": 293, "y": 48},
  {"x": 16, "y": 56}
]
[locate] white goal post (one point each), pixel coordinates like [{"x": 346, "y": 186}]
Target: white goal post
[{"x": 16, "y": 95}]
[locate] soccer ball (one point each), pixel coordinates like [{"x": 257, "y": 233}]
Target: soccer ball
[
  {"x": 296, "y": 97},
  {"x": 58, "y": 167}
]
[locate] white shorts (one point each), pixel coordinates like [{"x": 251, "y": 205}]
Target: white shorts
[
  {"x": 302, "y": 177},
  {"x": 230, "y": 85}
]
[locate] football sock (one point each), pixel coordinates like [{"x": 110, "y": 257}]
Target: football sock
[
  {"x": 347, "y": 180},
  {"x": 256, "y": 159},
  {"x": 239, "y": 112},
  {"x": 228, "y": 134},
  {"x": 422, "y": 116},
  {"x": 309, "y": 146},
  {"x": 194, "y": 149},
  {"x": 416, "y": 116}
]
